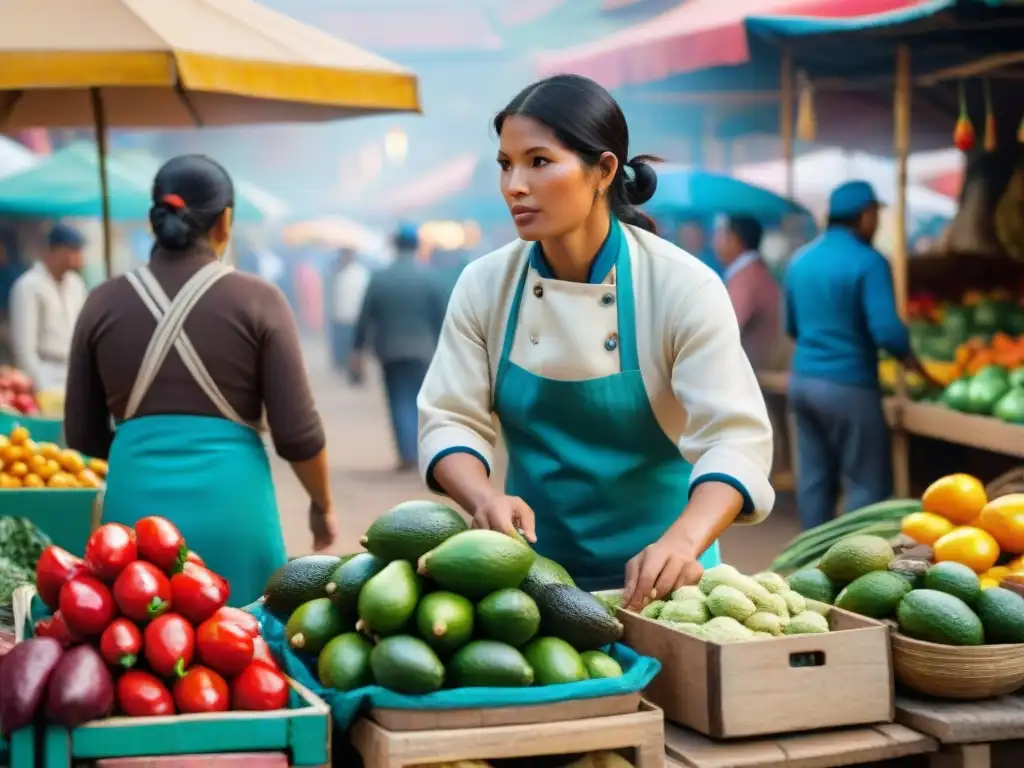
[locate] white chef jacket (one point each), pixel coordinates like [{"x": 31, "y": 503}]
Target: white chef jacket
[
  {"x": 43, "y": 315},
  {"x": 349, "y": 291},
  {"x": 702, "y": 388}
]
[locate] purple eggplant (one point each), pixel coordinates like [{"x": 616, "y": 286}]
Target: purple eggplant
[
  {"x": 23, "y": 678},
  {"x": 81, "y": 688}
]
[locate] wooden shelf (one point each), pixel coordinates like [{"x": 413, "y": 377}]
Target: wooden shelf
[{"x": 940, "y": 423}]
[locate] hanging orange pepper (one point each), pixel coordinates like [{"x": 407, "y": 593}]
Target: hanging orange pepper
[
  {"x": 990, "y": 121},
  {"x": 963, "y": 134}
]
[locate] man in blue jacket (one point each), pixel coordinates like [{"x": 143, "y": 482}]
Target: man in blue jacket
[{"x": 840, "y": 311}]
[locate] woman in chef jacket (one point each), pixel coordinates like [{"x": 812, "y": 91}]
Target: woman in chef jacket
[{"x": 635, "y": 428}]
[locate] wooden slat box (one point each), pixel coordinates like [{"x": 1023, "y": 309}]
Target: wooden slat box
[
  {"x": 782, "y": 685},
  {"x": 303, "y": 732}
]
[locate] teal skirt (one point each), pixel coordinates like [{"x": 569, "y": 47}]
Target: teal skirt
[{"x": 211, "y": 478}]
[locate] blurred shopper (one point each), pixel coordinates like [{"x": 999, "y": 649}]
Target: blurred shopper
[
  {"x": 692, "y": 237},
  {"x": 348, "y": 283},
  {"x": 635, "y": 430},
  {"x": 190, "y": 358},
  {"x": 45, "y": 303},
  {"x": 840, "y": 311},
  {"x": 447, "y": 266},
  {"x": 754, "y": 293},
  {"x": 401, "y": 317}
]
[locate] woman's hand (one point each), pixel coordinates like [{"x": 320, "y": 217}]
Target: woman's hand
[
  {"x": 507, "y": 514},
  {"x": 324, "y": 526},
  {"x": 659, "y": 570}
]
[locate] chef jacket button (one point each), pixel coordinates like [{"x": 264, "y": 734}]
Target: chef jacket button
[
  {"x": 611, "y": 343},
  {"x": 538, "y": 290},
  {"x": 607, "y": 300}
]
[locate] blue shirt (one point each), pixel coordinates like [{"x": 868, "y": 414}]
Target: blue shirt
[{"x": 841, "y": 309}]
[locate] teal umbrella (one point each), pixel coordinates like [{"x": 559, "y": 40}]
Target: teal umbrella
[{"x": 66, "y": 184}]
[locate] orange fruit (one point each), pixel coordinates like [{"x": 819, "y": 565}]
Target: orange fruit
[
  {"x": 925, "y": 527},
  {"x": 30, "y": 447},
  {"x": 4, "y": 441},
  {"x": 49, "y": 450},
  {"x": 33, "y": 480},
  {"x": 98, "y": 466},
  {"x": 988, "y": 582},
  {"x": 35, "y": 462},
  {"x": 969, "y": 546},
  {"x": 71, "y": 461},
  {"x": 1004, "y": 519},
  {"x": 959, "y": 498},
  {"x": 13, "y": 453},
  {"x": 87, "y": 479},
  {"x": 6, "y": 481},
  {"x": 59, "y": 480},
  {"x": 19, "y": 435},
  {"x": 1016, "y": 565},
  {"x": 997, "y": 572},
  {"x": 18, "y": 469},
  {"x": 47, "y": 469}
]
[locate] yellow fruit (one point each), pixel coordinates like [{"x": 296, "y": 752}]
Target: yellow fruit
[
  {"x": 47, "y": 469},
  {"x": 1016, "y": 565},
  {"x": 4, "y": 441},
  {"x": 988, "y": 582},
  {"x": 18, "y": 469},
  {"x": 98, "y": 466},
  {"x": 71, "y": 461},
  {"x": 12, "y": 453},
  {"x": 33, "y": 480},
  {"x": 925, "y": 527},
  {"x": 31, "y": 447},
  {"x": 972, "y": 547},
  {"x": 6, "y": 481},
  {"x": 49, "y": 450},
  {"x": 1004, "y": 519},
  {"x": 959, "y": 498},
  {"x": 19, "y": 435},
  {"x": 997, "y": 572}
]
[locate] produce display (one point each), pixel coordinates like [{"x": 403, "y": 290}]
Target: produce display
[
  {"x": 140, "y": 627},
  {"x": 25, "y": 463},
  {"x": 16, "y": 392},
  {"x": 974, "y": 347},
  {"x": 431, "y": 604},
  {"x": 21, "y": 544},
  {"x": 729, "y": 607}
]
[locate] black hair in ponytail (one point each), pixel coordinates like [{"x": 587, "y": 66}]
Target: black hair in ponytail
[
  {"x": 588, "y": 121},
  {"x": 190, "y": 193}
]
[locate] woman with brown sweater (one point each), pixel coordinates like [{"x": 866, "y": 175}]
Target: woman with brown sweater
[{"x": 190, "y": 359}]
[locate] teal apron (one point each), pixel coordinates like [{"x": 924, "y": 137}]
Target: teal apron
[
  {"x": 589, "y": 457},
  {"x": 208, "y": 475}
]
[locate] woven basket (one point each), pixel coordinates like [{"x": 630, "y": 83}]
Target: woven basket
[
  {"x": 966, "y": 673},
  {"x": 1006, "y": 483}
]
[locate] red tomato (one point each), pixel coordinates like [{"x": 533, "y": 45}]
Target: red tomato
[
  {"x": 161, "y": 543},
  {"x": 110, "y": 548},
  {"x": 241, "y": 618},
  {"x": 169, "y": 643},
  {"x": 202, "y": 690},
  {"x": 140, "y": 694},
  {"x": 54, "y": 569},
  {"x": 192, "y": 557},
  {"x": 197, "y": 592},
  {"x": 142, "y": 591},
  {"x": 224, "y": 646},
  {"x": 258, "y": 688},
  {"x": 261, "y": 652},
  {"x": 57, "y": 628},
  {"x": 121, "y": 644},
  {"x": 86, "y": 605}
]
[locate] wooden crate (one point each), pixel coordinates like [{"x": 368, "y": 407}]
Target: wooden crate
[
  {"x": 783, "y": 685},
  {"x": 643, "y": 731},
  {"x": 303, "y": 732}
]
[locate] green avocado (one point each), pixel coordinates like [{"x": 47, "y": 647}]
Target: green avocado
[
  {"x": 445, "y": 621},
  {"x": 388, "y": 600},
  {"x": 344, "y": 663},
  {"x": 406, "y": 664},
  {"x": 509, "y": 615},
  {"x": 411, "y": 529},
  {"x": 577, "y": 617},
  {"x": 475, "y": 563},
  {"x": 312, "y": 625},
  {"x": 543, "y": 572},
  {"x": 554, "y": 661},
  {"x": 600, "y": 665},
  {"x": 348, "y": 579},
  {"x": 489, "y": 664},
  {"x": 298, "y": 581}
]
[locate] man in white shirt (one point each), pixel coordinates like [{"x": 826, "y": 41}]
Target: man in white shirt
[
  {"x": 45, "y": 302},
  {"x": 348, "y": 289}
]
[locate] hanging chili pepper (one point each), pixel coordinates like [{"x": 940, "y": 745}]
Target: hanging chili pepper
[
  {"x": 963, "y": 134},
  {"x": 990, "y": 121}
]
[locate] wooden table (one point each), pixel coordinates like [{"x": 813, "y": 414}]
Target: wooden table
[
  {"x": 965, "y": 729},
  {"x": 820, "y": 749}
]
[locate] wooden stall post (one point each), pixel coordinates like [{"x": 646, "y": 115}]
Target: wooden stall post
[{"x": 901, "y": 141}]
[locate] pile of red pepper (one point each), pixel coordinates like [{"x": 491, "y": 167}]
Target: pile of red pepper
[{"x": 159, "y": 619}]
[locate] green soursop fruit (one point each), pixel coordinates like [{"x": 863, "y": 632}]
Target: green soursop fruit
[
  {"x": 730, "y": 602},
  {"x": 764, "y": 622},
  {"x": 685, "y": 612},
  {"x": 771, "y": 581}
]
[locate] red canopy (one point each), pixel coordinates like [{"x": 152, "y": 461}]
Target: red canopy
[{"x": 697, "y": 34}]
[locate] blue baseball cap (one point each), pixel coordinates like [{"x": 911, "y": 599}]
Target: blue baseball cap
[
  {"x": 851, "y": 198},
  {"x": 63, "y": 236},
  {"x": 407, "y": 237}
]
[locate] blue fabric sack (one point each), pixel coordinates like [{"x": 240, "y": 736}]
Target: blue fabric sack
[{"x": 638, "y": 672}]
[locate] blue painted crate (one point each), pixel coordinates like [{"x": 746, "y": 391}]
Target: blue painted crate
[
  {"x": 41, "y": 429},
  {"x": 303, "y": 731},
  {"x": 20, "y": 751},
  {"x": 66, "y": 515}
]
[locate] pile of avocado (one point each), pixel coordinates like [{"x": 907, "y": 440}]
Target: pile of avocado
[
  {"x": 942, "y": 603},
  {"x": 431, "y": 604},
  {"x": 729, "y": 607}
]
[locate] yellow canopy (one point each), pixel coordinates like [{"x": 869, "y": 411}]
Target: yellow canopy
[{"x": 163, "y": 63}]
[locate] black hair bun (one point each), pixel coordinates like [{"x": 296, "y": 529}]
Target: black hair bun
[
  {"x": 644, "y": 182},
  {"x": 170, "y": 229}
]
